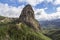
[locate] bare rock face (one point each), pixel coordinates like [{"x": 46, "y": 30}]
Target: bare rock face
[
  {"x": 27, "y": 16},
  {"x": 27, "y": 12}
]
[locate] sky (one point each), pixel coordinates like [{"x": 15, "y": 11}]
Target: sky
[{"x": 44, "y": 9}]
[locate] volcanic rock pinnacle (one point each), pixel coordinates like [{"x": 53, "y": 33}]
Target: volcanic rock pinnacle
[{"x": 27, "y": 16}]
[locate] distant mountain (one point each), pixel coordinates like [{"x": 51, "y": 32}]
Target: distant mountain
[
  {"x": 26, "y": 27},
  {"x": 51, "y": 23},
  {"x": 51, "y": 28}
]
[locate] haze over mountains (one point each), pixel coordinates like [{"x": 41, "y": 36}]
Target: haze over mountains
[{"x": 50, "y": 23}]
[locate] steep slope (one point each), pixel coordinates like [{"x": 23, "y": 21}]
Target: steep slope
[
  {"x": 20, "y": 32},
  {"x": 24, "y": 28},
  {"x": 54, "y": 34},
  {"x": 27, "y": 16},
  {"x": 1, "y": 17}
]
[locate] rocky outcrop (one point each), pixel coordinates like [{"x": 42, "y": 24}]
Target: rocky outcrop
[{"x": 27, "y": 16}]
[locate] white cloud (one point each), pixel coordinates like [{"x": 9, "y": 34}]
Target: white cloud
[
  {"x": 32, "y": 2},
  {"x": 42, "y": 15},
  {"x": 21, "y": 0},
  {"x": 10, "y": 11},
  {"x": 49, "y": 0},
  {"x": 58, "y": 9},
  {"x": 35, "y": 2},
  {"x": 57, "y": 2}
]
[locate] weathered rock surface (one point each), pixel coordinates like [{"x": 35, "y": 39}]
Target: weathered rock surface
[{"x": 27, "y": 16}]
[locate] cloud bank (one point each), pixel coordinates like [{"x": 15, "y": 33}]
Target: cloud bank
[
  {"x": 35, "y": 2},
  {"x": 56, "y": 2},
  {"x": 40, "y": 14},
  {"x": 10, "y": 11},
  {"x": 32, "y": 2}
]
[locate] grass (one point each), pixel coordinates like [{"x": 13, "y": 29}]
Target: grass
[
  {"x": 19, "y": 31},
  {"x": 54, "y": 34}
]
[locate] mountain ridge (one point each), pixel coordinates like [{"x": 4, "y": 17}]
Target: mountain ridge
[{"x": 19, "y": 29}]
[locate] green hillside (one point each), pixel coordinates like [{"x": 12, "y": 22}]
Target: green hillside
[
  {"x": 1, "y": 17},
  {"x": 26, "y": 27},
  {"x": 54, "y": 34},
  {"x": 19, "y": 31}
]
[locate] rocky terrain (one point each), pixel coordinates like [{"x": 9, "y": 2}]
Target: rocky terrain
[
  {"x": 26, "y": 27},
  {"x": 27, "y": 16}
]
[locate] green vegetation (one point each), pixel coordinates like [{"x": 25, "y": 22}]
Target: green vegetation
[
  {"x": 54, "y": 34},
  {"x": 1, "y": 17},
  {"x": 19, "y": 31}
]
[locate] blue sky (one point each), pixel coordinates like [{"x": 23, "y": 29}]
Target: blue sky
[{"x": 48, "y": 9}]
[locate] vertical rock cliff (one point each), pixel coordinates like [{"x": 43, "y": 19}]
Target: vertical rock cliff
[
  {"x": 26, "y": 27},
  {"x": 27, "y": 16}
]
